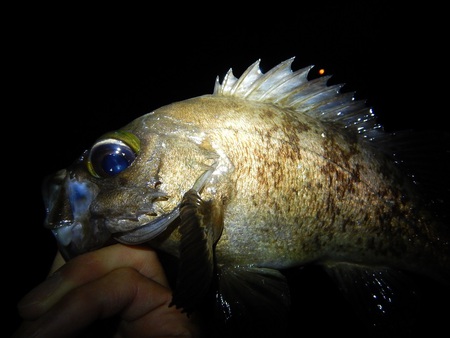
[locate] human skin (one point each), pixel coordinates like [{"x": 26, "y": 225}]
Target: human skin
[{"x": 117, "y": 281}]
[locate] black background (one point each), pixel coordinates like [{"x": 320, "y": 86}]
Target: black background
[{"x": 74, "y": 73}]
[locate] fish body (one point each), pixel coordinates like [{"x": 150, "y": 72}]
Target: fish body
[{"x": 271, "y": 171}]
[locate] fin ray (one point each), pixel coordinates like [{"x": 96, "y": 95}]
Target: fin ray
[
  {"x": 198, "y": 236},
  {"x": 285, "y": 88}
]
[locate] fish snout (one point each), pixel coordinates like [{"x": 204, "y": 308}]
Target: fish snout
[{"x": 67, "y": 201}]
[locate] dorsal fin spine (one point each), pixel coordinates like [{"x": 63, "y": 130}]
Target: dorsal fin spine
[{"x": 293, "y": 90}]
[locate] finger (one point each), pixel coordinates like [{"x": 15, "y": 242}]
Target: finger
[
  {"x": 124, "y": 291},
  {"x": 57, "y": 263},
  {"x": 86, "y": 268},
  {"x": 142, "y": 259}
]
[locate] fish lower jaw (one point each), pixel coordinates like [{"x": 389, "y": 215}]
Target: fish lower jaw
[
  {"x": 128, "y": 224},
  {"x": 149, "y": 230}
]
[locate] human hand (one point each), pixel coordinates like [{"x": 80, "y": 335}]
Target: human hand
[{"x": 123, "y": 282}]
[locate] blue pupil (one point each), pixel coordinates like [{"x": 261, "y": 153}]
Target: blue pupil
[{"x": 114, "y": 163}]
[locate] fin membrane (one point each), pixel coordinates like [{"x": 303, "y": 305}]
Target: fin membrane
[
  {"x": 387, "y": 300},
  {"x": 251, "y": 302}
]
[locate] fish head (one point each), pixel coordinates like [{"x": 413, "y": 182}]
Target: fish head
[{"x": 123, "y": 189}]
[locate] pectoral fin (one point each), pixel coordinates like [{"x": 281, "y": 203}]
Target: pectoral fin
[
  {"x": 251, "y": 301},
  {"x": 200, "y": 227}
]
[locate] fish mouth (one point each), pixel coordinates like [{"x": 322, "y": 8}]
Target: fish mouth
[
  {"x": 73, "y": 240},
  {"x": 69, "y": 202}
]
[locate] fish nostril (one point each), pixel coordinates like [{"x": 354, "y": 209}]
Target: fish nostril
[{"x": 157, "y": 184}]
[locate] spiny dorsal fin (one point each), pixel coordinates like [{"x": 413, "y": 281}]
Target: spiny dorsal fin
[{"x": 283, "y": 87}]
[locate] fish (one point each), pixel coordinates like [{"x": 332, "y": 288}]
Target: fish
[{"x": 271, "y": 171}]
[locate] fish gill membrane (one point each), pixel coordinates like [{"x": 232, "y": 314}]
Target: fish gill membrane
[{"x": 272, "y": 175}]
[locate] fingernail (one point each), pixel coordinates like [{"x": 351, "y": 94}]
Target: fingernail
[{"x": 33, "y": 303}]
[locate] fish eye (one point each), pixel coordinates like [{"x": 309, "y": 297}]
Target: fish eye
[{"x": 112, "y": 154}]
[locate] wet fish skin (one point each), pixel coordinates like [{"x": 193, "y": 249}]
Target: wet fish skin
[
  {"x": 281, "y": 175},
  {"x": 273, "y": 176}
]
